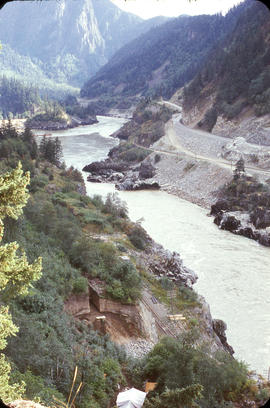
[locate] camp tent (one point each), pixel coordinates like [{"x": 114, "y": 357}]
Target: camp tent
[{"x": 132, "y": 398}]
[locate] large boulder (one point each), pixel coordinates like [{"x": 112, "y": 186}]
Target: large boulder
[
  {"x": 229, "y": 223},
  {"x": 260, "y": 217},
  {"x": 219, "y": 206},
  {"x": 105, "y": 168},
  {"x": 264, "y": 238},
  {"x": 133, "y": 184}
]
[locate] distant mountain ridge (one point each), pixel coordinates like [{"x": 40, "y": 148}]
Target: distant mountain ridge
[
  {"x": 163, "y": 59},
  {"x": 69, "y": 40}
]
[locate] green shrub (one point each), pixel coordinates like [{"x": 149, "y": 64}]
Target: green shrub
[
  {"x": 36, "y": 389},
  {"x": 138, "y": 237},
  {"x": 38, "y": 182},
  {"x": 68, "y": 187},
  {"x": 124, "y": 283},
  {"x": 177, "y": 364},
  {"x": 115, "y": 206},
  {"x": 166, "y": 283},
  {"x": 98, "y": 202},
  {"x": 99, "y": 259},
  {"x": 263, "y": 394},
  {"x": 187, "y": 294},
  {"x": 134, "y": 154},
  {"x": 59, "y": 198},
  {"x": 80, "y": 285}
]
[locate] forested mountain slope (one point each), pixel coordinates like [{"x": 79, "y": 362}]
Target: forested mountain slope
[
  {"x": 31, "y": 71},
  {"x": 163, "y": 59},
  {"x": 68, "y": 40},
  {"x": 235, "y": 80}
]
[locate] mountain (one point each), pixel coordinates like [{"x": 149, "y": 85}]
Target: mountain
[
  {"x": 234, "y": 83},
  {"x": 163, "y": 59},
  {"x": 69, "y": 40}
]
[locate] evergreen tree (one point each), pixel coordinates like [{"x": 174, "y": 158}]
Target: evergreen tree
[
  {"x": 17, "y": 98},
  {"x": 16, "y": 274},
  {"x": 177, "y": 398},
  {"x": 51, "y": 150}
]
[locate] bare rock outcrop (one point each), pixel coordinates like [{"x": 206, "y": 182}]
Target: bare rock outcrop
[
  {"x": 220, "y": 327},
  {"x": 164, "y": 263},
  {"x": 240, "y": 223},
  {"x": 125, "y": 176}
]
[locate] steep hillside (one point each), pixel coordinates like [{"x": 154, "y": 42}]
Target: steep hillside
[
  {"x": 162, "y": 60},
  {"x": 234, "y": 84},
  {"x": 69, "y": 40}
]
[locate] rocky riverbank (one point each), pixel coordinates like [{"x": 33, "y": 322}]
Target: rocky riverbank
[
  {"x": 240, "y": 223},
  {"x": 124, "y": 175}
]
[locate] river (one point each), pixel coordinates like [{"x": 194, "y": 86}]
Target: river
[{"x": 233, "y": 271}]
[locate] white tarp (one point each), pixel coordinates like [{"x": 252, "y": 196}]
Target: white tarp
[{"x": 132, "y": 398}]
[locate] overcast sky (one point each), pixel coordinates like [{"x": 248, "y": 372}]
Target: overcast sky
[{"x": 173, "y": 8}]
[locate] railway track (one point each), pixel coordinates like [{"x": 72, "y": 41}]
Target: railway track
[{"x": 163, "y": 328}]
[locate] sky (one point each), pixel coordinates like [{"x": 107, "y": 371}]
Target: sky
[{"x": 173, "y": 8}]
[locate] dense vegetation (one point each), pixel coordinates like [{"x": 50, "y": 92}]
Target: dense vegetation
[
  {"x": 16, "y": 98},
  {"x": 187, "y": 376},
  {"x": 16, "y": 274},
  {"x": 33, "y": 72},
  {"x": 50, "y": 113},
  {"x": 237, "y": 71},
  {"x": 162, "y": 60},
  {"x": 56, "y": 219}
]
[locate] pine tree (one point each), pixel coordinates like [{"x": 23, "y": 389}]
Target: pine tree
[
  {"x": 16, "y": 274},
  {"x": 51, "y": 150},
  {"x": 58, "y": 151}
]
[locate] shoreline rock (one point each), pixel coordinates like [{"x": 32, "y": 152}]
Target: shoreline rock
[
  {"x": 125, "y": 176},
  {"x": 219, "y": 327},
  {"x": 240, "y": 223}
]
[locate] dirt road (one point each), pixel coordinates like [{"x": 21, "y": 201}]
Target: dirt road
[{"x": 199, "y": 144}]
